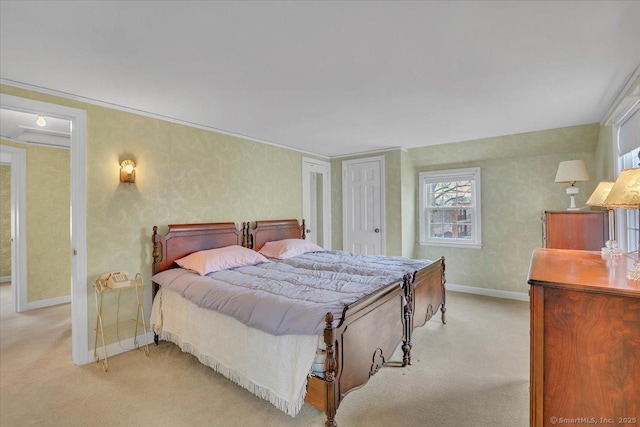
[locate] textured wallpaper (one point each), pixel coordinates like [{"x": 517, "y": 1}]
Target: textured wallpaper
[
  {"x": 48, "y": 241},
  {"x": 408, "y": 206},
  {"x": 5, "y": 220},
  {"x": 186, "y": 174},
  {"x": 183, "y": 175},
  {"x": 518, "y": 173}
]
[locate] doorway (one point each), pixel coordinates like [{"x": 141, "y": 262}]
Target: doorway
[
  {"x": 363, "y": 205},
  {"x": 16, "y": 160},
  {"x": 79, "y": 325},
  {"x": 316, "y": 201}
]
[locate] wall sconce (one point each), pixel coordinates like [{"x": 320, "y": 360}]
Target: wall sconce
[{"x": 128, "y": 171}]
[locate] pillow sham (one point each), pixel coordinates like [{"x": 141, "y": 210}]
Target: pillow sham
[
  {"x": 287, "y": 248},
  {"x": 208, "y": 261}
]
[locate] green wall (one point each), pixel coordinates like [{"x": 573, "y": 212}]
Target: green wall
[
  {"x": 518, "y": 173},
  {"x": 183, "y": 175},
  {"x": 604, "y": 155},
  {"x": 48, "y": 241},
  {"x": 5, "y": 220},
  {"x": 186, "y": 174}
]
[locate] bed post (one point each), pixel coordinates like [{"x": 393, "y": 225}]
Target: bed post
[
  {"x": 156, "y": 261},
  {"x": 443, "y": 309},
  {"x": 408, "y": 319},
  {"x": 330, "y": 371},
  {"x": 304, "y": 230},
  {"x": 246, "y": 236}
]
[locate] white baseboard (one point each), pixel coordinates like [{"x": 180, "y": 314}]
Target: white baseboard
[
  {"x": 116, "y": 348},
  {"x": 4, "y": 279},
  {"x": 520, "y": 296},
  {"x": 48, "y": 302}
]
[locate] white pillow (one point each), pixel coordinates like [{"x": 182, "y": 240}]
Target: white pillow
[
  {"x": 287, "y": 248},
  {"x": 205, "y": 262}
]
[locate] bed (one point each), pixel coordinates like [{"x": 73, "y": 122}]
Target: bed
[{"x": 358, "y": 340}]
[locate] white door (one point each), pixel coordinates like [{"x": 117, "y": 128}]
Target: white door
[
  {"x": 316, "y": 201},
  {"x": 363, "y": 204}
]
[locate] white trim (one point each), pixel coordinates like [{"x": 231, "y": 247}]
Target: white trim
[
  {"x": 383, "y": 203},
  {"x": 451, "y": 174},
  {"x": 48, "y": 302},
  {"x": 519, "y": 296},
  {"x": 17, "y": 158},
  {"x": 614, "y": 113},
  {"x": 78, "y": 118},
  {"x": 5, "y": 279},
  {"x": 117, "y": 107},
  {"x": 319, "y": 166},
  {"x": 366, "y": 153},
  {"x": 454, "y": 244},
  {"x": 116, "y": 348},
  {"x": 40, "y": 144}
]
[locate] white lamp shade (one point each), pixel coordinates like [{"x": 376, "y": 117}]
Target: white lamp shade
[{"x": 572, "y": 171}]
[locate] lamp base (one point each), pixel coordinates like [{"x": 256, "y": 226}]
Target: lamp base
[
  {"x": 634, "y": 273},
  {"x": 572, "y": 191},
  {"x": 611, "y": 249}
]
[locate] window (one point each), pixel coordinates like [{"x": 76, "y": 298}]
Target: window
[
  {"x": 450, "y": 208},
  {"x": 630, "y": 224}
]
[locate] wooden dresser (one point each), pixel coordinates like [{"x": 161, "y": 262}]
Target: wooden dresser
[
  {"x": 585, "y": 340},
  {"x": 586, "y": 230}
]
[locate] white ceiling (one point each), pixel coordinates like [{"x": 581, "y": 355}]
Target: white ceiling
[
  {"x": 22, "y": 127},
  {"x": 333, "y": 77}
]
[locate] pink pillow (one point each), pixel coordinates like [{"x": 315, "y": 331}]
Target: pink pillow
[
  {"x": 287, "y": 248},
  {"x": 205, "y": 262}
]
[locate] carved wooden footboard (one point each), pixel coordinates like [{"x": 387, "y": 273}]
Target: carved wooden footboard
[
  {"x": 370, "y": 331},
  {"x": 425, "y": 294}
]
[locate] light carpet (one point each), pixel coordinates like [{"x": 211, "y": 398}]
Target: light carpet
[{"x": 474, "y": 371}]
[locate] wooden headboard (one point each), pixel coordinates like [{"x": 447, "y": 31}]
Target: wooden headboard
[
  {"x": 183, "y": 239},
  {"x": 267, "y": 231}
]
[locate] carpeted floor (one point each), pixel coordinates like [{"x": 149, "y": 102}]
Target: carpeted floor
[{"x": 474, "y": 372}]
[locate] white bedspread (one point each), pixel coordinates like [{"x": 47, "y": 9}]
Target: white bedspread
[{"x": 274, "y": 368}]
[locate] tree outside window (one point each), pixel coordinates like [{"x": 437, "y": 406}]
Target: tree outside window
[{"x": 450, "y": 207}]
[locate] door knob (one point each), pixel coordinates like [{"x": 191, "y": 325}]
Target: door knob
[
  {"x": 377, "y": 230},
  {"x": 308, "y": 230}
]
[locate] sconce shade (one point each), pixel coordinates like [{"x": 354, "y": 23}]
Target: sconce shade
[
  {"x": 128, "y": 171},
  {"x": 599, "y": 195},
  {"x": 626, "y": 190},
  {"x": 572, "y": 171}
]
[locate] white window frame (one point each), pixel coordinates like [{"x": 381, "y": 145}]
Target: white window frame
[{"x": 472, "y": 174}]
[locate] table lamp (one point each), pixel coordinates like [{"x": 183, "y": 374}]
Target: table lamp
[
  {"x": 625, "y": 194},
  {"x": 597, "y": 198},
  {"x": 572, "y": 171}
]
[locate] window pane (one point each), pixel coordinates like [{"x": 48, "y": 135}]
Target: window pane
[
  {"x": 449, "y": 223},
  {"x": 463, "y": 232},
  {"x": 441, "y": 231},
  {"x": 449, "y": 194}
]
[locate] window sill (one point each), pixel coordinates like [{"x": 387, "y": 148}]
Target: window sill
[{"x": 453, "y": 245}]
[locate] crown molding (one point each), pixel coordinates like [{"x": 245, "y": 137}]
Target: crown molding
[{"x": 97, "y": 102}]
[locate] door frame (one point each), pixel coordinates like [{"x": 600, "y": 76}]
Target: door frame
[
  {"x": 318, "y": 166},
  {"x": 78, "y": 208},
  {"x": 383, "y": 224},
  {"x": 16, "y": 158}
]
